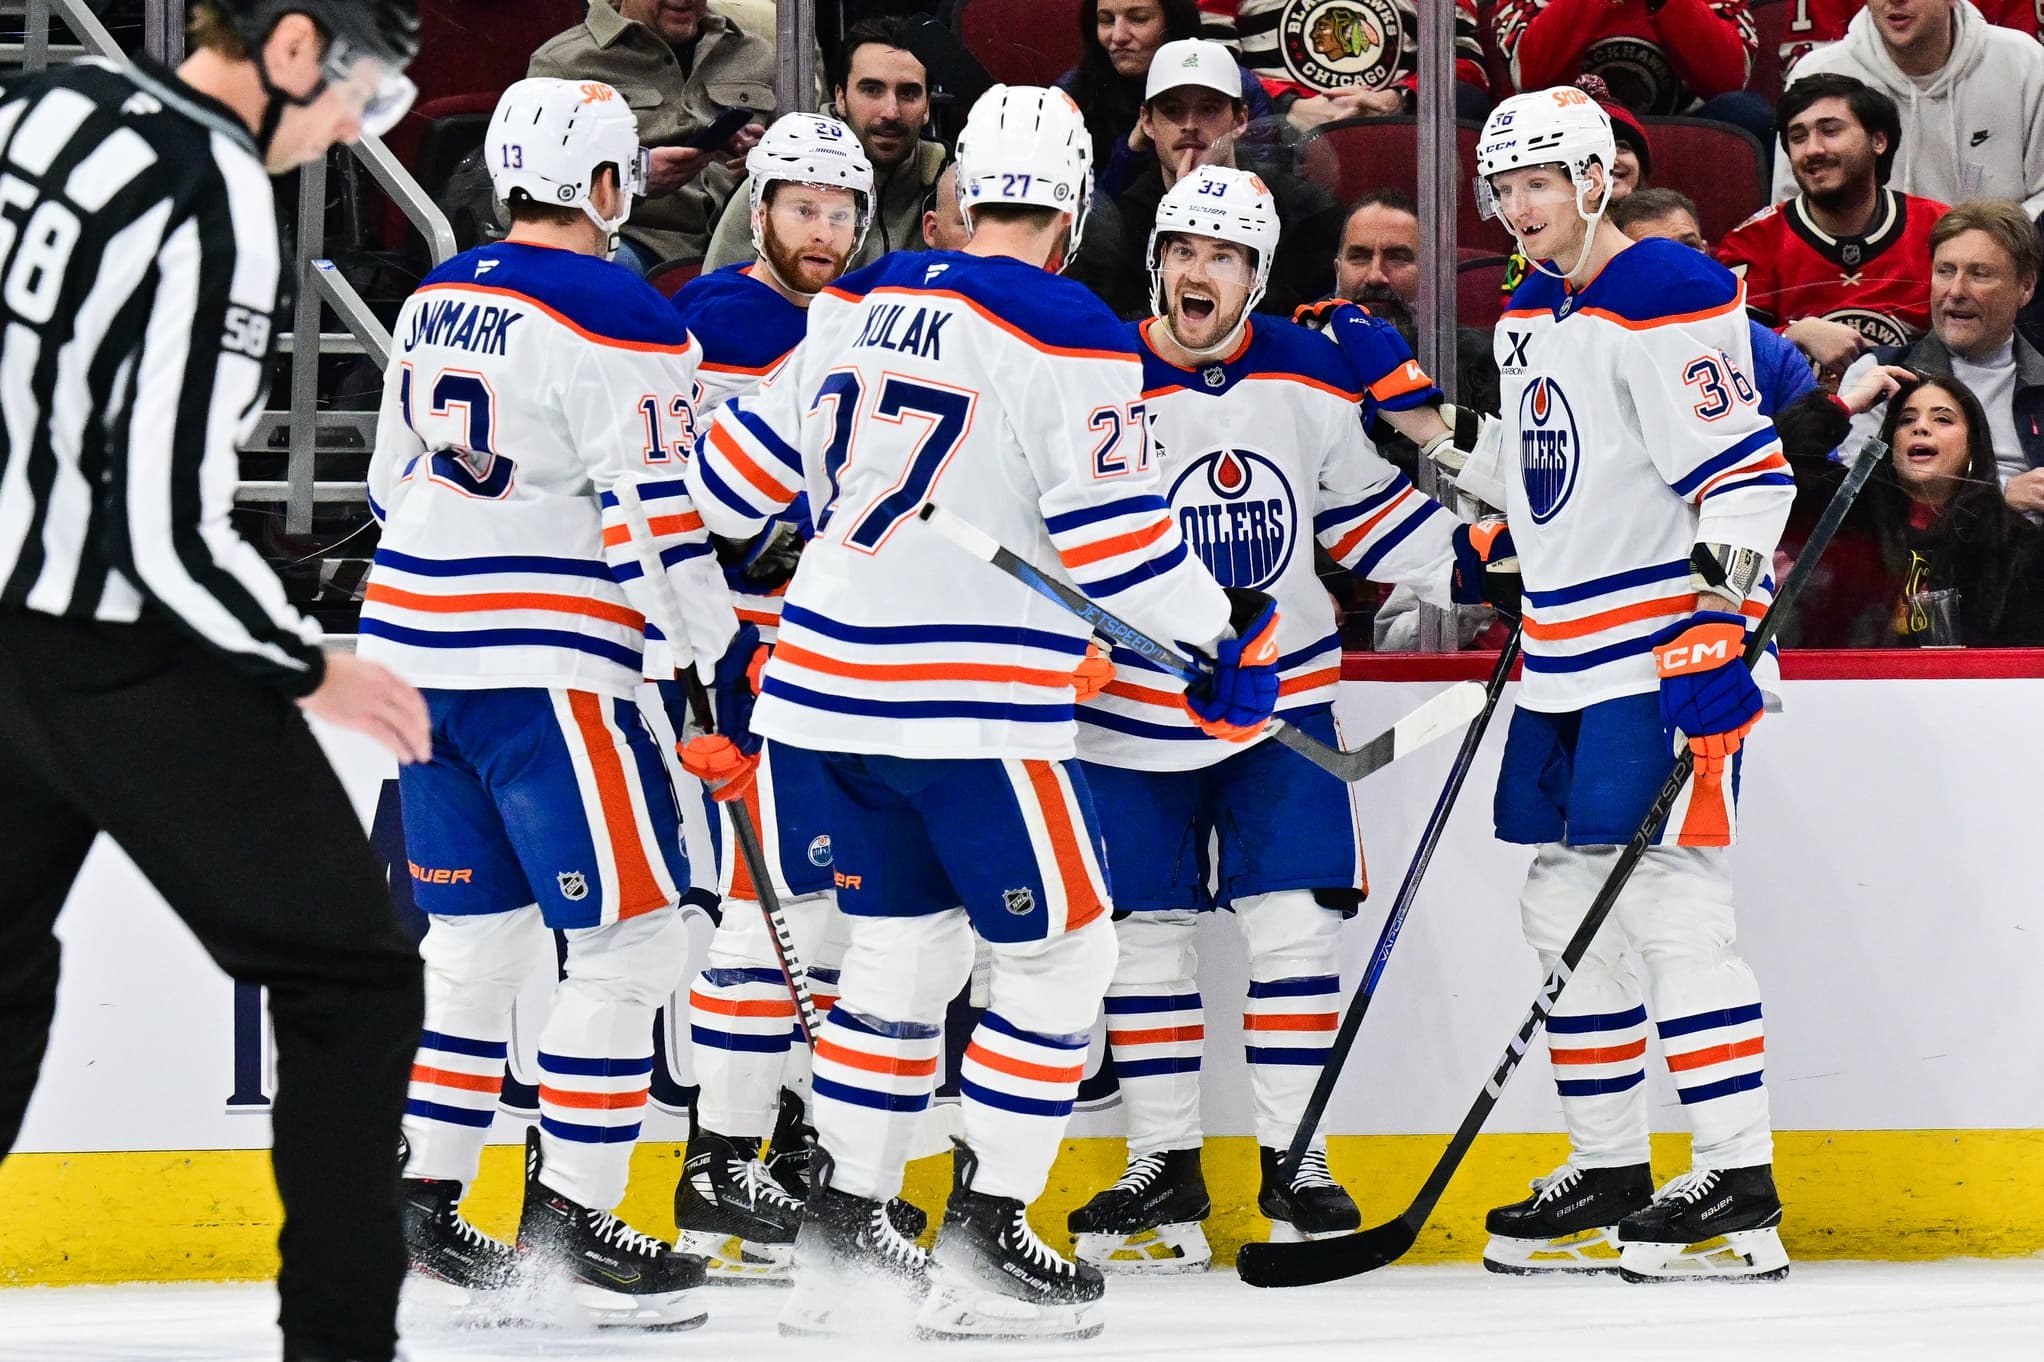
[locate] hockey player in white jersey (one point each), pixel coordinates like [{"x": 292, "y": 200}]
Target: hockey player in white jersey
[
  {"x": 939, "y": 696},
  {"x": 524, "y": 455},
  {"x": 1255, "y": 434},
  {"x": 1646, "y": 494},
  {"x": 811, "y": 193}
]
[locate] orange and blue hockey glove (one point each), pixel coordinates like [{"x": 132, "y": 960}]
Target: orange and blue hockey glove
[
  {"x": 1391, "y": 376},
  {"x": 1235, "y": 700},
  {"x": 1486, "y": 567},
  {"x": 1092, "y": 674},
  {"x": 1707, "y": 693}
]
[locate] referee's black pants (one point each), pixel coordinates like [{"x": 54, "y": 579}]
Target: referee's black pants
[{"x": 216, "y": 789}]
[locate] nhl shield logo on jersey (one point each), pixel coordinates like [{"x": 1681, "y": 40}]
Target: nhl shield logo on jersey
[
  {"x": 1548, "y": 448},
  {"x": 1343, "y": 44},
  {"x": 1239, "y": 514},
  {"x": 574, "y": 885}
]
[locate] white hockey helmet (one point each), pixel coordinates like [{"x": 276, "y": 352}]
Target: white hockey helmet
[
  {"x": 1024, "y": 144},
  {"x": 1227, "y": 205},
  {"x": 805, "y": 148},
  {"x": 1558, "y": 126},
  {"x": 549, "y": 137}
]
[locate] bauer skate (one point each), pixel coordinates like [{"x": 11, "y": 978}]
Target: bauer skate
[
  {"x": 1149, "y": 1220},
  {"x": 451, "y": 1262},
  {"x": 620, "y": 1277},
  {"x": 991, "y": 1277},
  {"x": 854, "y": 1271},
  {"x": 732, "y": 1213},
  {"x": 1311, "y": 1206},
  {"x": 1569, "y": 1224},
  {"x": 793, "y": 1147},
  {"x": 1709, "y": 1223}
]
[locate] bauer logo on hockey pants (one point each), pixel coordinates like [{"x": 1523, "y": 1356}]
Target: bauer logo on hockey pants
[{"x": 1548, "y": 448}]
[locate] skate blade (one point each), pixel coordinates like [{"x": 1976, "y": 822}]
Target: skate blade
[
  {"x": 1285, "y": 1232},
  {"x": 1745, "y": 1255},
  {"x": 956, "y": 1312},
  {"x": 1163, "y": 1251},
  {"x": 667, "y": 1311},
  {"x": 733, "y": 1260},
  {"x": 435, "y": 1301},
  {"x": 1592, "y": 1250},
  {"x": 834, "y": 1306}
]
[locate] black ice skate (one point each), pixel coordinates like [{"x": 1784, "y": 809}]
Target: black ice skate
[
  {"x": 1312, "y": 1206},
  {"x": 854, "y": 1271},
  {"x": 1569, "y": 1224},
  {"x": 792, "y": 1148},
  {"x": 733, "y": 1213},
  {"x": 620, "y": 1276},
  {"x": 1709, "y": 1223},
  {"x": 1149, "y": 1220},
  {"x": 991, "y": 1277},
  {"x": 451, "y": 1261}
]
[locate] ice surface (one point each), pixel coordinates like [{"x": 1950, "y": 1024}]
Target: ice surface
[{"x": 1918, "y": 1311}]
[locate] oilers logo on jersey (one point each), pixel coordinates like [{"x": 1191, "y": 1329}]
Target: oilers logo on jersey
[
  {"x": 1548, "y": 447},
  {"x": 1238, "y": 512}
]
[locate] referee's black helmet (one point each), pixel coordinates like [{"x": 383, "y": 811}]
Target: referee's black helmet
[{"x": 387, "y": 30}]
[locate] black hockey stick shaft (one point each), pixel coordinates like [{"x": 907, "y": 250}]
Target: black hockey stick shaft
[
  {"x": 1303, "y": 1264},
  {"x": 1408, "y": 890},
  {"x": 1348, "y": 766}
]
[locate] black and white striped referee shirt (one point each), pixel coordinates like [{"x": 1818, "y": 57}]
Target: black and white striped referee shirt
[{"x": 139, "y": 260}]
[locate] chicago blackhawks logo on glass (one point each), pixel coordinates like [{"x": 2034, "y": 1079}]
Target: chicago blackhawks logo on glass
[
  {"x": 1239, "y": 514},
  {"x": 1341, "y": 44},
  {"x": 1549, "y": 448}
]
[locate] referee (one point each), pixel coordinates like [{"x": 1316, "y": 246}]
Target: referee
[{"x": 152, "y": 673}]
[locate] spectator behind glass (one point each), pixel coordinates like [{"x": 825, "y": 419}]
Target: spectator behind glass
[
  {"x": 1971, "y": 97},
  {"x": 678, "y": 66},
  {"x": 1984, "y": 263},
  {"x": 1814, "y": 23},
  {"x": 1780, "y": 373},
  {"x": 1194, "y": 115},
  {"x": 883, "y": 95},
  {"x": 1844, "y": 265},
  {"x": 1658, "y": 56},
  {"x": 1931, "y": 521},
  {"x": 943, "y": 225},
  {"x": 1302, "y": 52},
  {"x": 1118, "y": 39}
]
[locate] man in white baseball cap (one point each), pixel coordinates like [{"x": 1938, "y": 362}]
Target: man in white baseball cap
[{"x": 1192, "y": 106}]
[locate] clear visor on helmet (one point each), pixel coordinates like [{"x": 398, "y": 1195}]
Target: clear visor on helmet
[
  {"x": 1541, "y": 186},
  {"x": 378, "y": 95},
  {"x": 637, "y": 173},
  {"x": 1224, "y": 262},
  {"x": 806, "y": 215}
]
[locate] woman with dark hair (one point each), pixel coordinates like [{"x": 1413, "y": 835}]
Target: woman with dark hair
[
  {"x": 1942, "y": 557},
  {"x": 1117, "y": 40}
]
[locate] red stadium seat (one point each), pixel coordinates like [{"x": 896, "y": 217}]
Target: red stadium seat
[
  {"x": 1771, "y": 20},
  {"x": 1479, "y": 281},
  {"x": 1722, "y": 167},
  {"x": 1021, "y": 42},
  {"x": 669, "y": 275},
  {"x": 1379, "y": 153}
]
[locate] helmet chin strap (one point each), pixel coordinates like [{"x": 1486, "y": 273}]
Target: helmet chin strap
[{"x": 276, "y": 100}]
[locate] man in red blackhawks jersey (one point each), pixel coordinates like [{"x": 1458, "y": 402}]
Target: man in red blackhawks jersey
[{"x": 1844, "y": 265}]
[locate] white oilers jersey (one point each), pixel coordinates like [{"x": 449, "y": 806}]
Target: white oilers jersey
[
  {"x": 1010, "y": 397},
  {"x": 525, "y": 386},
  {"x": 1260, "y": 454},
  {"x": 1630, "y": 433},
  {"x": 745, "y": 331}
]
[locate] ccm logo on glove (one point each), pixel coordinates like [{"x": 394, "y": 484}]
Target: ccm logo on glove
[{"x": 1700, "y": 648}]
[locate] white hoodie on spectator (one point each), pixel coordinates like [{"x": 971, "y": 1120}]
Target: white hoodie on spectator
[{"x": 1972, "y": 129}]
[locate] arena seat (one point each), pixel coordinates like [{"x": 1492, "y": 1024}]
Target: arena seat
[
  {"x": 1479, "y": 281},
  {"x": 1376, "y": 153},
  {"x": 1022, "y": 42},
  {"x": 1770, "y": 21},
  {"x": 1722, "y": 167},
  {"x": 669, "y": 275}
]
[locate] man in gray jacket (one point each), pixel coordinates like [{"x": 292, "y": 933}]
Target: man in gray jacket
[
  {"x": 883, "y": 93},
  {"x": 1971, "y": 96},
  {"x": 679, "y": 66}
]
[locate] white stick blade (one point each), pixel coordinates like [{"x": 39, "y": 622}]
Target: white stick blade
[{"x": 1452, "y": 709}]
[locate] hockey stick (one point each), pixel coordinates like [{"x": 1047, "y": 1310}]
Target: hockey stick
[
  {"x": 1422, "y": 856},
  {"x": 1326, "y": 1260},
  {"x": 1439, "y": 716},
  {"x": 792, "y": 968}
]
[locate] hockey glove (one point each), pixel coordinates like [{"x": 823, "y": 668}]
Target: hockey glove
[
  {"x": 734, "y": 686},
  {"x": 1390, "y": 374},
  {"x": 1486, "y": 567},
  {"x": 764, "y": 564},
  {"x": 1234, "y": 701},
  {"x": 1707, "y": 693},
  {"x": 1092, "y": 674}
]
